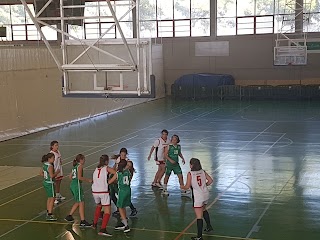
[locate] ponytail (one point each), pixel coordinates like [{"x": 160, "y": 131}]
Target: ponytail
[
  {"x": 77, "y": 159},
  {"x": 46, "y": 157},
  {"x": 102, "y": 161}
]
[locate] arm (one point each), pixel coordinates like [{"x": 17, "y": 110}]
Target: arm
[
  {"x": 41, "y": 172},
  {"x": 80, "y": 177},
  {"x": 209, "y": 179},
  {"x": 188, "y": 183},
  {"x": 180, "y": 155},
  {"x": 166, "y": 155},
  {"x": 151, "y": 151},
  {"x": 113, "y": 179},
  {"x": 111, "y": 170},
  {"x": 50, "y": 170}
]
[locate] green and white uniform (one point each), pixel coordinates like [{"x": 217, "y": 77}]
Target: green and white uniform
[
  {"x": 48, "y": 182},
  {"x": 76, "y": 185},
  {"x": 124, "y": 194},
  {"x": 173, "y": 153}
]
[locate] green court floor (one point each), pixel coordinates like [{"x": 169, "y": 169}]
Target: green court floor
[{"x": 264, "y": 157}]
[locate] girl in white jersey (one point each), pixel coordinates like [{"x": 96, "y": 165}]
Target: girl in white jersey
[
  {"x": 198, "y": 180},
  {"x": 100, "y": 192},
  {"x": 54, "y": 148}
]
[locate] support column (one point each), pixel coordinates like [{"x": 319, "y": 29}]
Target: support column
[
  {"x": 299, "y": 16},
  {"x": 213, "y": 18},
  {"x": 134, "y": 21}
]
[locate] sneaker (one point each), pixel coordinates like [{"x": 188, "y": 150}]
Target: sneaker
[
  {"x": 116, "y": 214},
  {"x": 84, "y": 223},
  {"x": 158, "y": 185},
  {"x": 60, "y": 197},
  {"x": 69, "y": 218},
  {"x": 208, "y": 229},
  {"x": 103, "y": 232},
  {"x": 94, "y": 226},
  {"x": 196, "y": 238},
  {"x": 56, "y": 201},
  {"x": 126, "y": 229},
  {"x": 133, "y": 212},
  {"x": 51, "y": 218},
  {"x": 165, "y": 192},
  {"x": 120, "y": 226},
  {"x": 186, "y": 193},
  {"x": 153, "y": 184}
]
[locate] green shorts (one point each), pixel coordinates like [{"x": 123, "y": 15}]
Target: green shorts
[
  {"x": 113, "y": 188},
  {"x": 77, "y": 192},
  {"x": 49, "y": 187},
  {"x": 173, "y": 167},
  {"x": 124, "y": 198}
]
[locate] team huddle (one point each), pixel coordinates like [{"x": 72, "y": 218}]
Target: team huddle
[{"x": 114, "y": 184}]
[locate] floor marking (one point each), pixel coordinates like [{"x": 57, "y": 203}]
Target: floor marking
[
  {"x": 274, "y": 143},
  {"x": 209, "y": 206},
  {"x": 16, "y": 153},
  {"x": 138, "y": 229}
]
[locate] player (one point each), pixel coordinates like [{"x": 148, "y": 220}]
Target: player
[
  {"x": 54, "y": 148},
  {"x": 198, "y": 180},
  {"x": 48, "y": 174},
  {"x": 159, "y": 146},
  {"x": 124, "y": 196},
  {"x": 172, "y": 153},
  {"x": 77, "y": 178},
  {"x": 100, "y": 192}
]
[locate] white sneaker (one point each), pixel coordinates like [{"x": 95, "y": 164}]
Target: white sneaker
[
  {"x": 60, "y": 197},
  {"x": 186, "y": 193},
  {"x": 56, "y": 201},
  {"x": 165, "y": 192},
  {"x": 158, "y": 185}
]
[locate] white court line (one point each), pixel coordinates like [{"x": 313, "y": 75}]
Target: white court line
[
  {"x": 274, "y": 143},
  {"x": 16, "y": 153},
  {"x": 258, "y": 135}
]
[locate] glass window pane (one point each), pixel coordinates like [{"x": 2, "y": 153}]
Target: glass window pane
[
  {"x": 28, "y": 19},
  {"x": 245, "y": 20},
  {"x": 226, "y": 26},
  {"x": 5, "y": 14},
  {"x": 245, "y": 31},
  {"x": 32, "y": 33},
  {"x": 264, "y": 30},
  {"x": 284, "y": 7},
  {"x": 148, "y": 9},
  {"x": 312, "y": 6},
  {"x": 121, "y": 7},
  {"x": 181, "y": 9},
  {"x": 18, "y": 15},
  {"x": 9, "y": 34},
  {"x": 148, "y": 29},
  {"x": 111, "y": 33},
  {"x": 265, "y": 7},
  {"x": 200, "y": 9},
  {"x": 182, "y": 28},
  {"x": 165, "y": 28},
  {"x": 245, "y": 26},
  {"x": 245, "y": 8},
  {"x": 127, "y": 29},
  {"x": 91, "y": 10},
  {"x": 165, "y": 9},
  {"x": 284, "y": 23},
  {"x": 76, "y": 31},
  {"x": 226, "y": 8},
  {"x": 51, "y": 34},
  {"x": 200, "y": 27},
  {"x": 313, "y": 25}
]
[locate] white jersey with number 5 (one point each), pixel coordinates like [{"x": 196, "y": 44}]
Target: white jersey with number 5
[
  {"x": 199, "y": 188},
  {"x": 100, "y": 180}
]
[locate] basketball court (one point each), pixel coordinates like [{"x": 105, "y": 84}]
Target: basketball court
[{"x": 262, "y": 155}]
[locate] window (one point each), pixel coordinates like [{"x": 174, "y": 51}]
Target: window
[
  {"x": 174, "y": 18},
  {"x": 19, "y": 25},
  {"x": 311, "y": 16}
]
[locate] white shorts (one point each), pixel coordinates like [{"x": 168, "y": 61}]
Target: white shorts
[
  {"x": 199, "y": 203},
  {"x": 102, "y": 198}
]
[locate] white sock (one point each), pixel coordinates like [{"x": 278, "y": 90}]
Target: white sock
[
  {"x": 125, "y": 222},
  {"x": 164, "y": 186}
]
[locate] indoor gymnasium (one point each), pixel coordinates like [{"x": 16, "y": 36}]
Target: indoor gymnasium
[{"x": 159, "y": 119}]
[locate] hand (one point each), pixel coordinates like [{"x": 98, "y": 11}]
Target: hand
[
  {"x": 183, "y": 162},
  {"x": 182, "y": 187},
  {"x": 149, "y": 158},
  {"x": 90, "y": 180}
]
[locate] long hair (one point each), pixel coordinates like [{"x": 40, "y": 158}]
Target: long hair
[
  {"x": 115, "y": 156},
  {"x": 196, "y": 165},
  {"x": 102, "y": 160},
  {"x": 122, "y": 165},
  {"x": 52, "y": 143},
  {"x": 77, "y": 159},
  {"x": 46, "y": 157},
  {"x": 177, "y": 137}
]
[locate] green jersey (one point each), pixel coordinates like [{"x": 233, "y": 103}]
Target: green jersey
[
  {"x": 75, "y": 180},
  {"x": 174, "y": 152},
  {"x": 124, "y": 179},
  {"x": 46, "y": 175}
]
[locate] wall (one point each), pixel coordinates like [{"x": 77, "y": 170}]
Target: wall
[
  {"x": 250, "y": 61},
  {"x": 30, "y": 94}
]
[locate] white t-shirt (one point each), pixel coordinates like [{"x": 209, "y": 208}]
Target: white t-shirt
[
  {"x": 160, "y": 144},
  {"x": 100, "y": 180},
  {"x": 57, "y": 162},
  {"x": 199, "y": 186}
]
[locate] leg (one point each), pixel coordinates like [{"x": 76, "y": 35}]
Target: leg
[
  {"x": 199, "y": 212},
  {"x": 133, "y": 210},
  {"x": 74, "y": 208},
  {"x": 97, "y": 214},
  {"x": 161, "y": 170},
  {"x": 206, "y": 217},
  {"x": 81, "y": 210},
  {"x": 50, "y": 204},
  {"x": 58, "y": 183},
  {"x": 180, "y": 177},
  {"x": 106, "y": 216}
]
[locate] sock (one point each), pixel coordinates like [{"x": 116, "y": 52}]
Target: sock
[
  {"x": 132, "y": 207},
  {"x": 58, "y": 195},
  {"x": 125, "y": 222},
  {"x": 97, "y": 214},
  {"x": 199, "y": 226},
  {"x": 49, "y": 214},
  {"x": 207, "y": 218},
  {"x": 164, "y": 186},
  {"x": 105, "y": 220}
]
